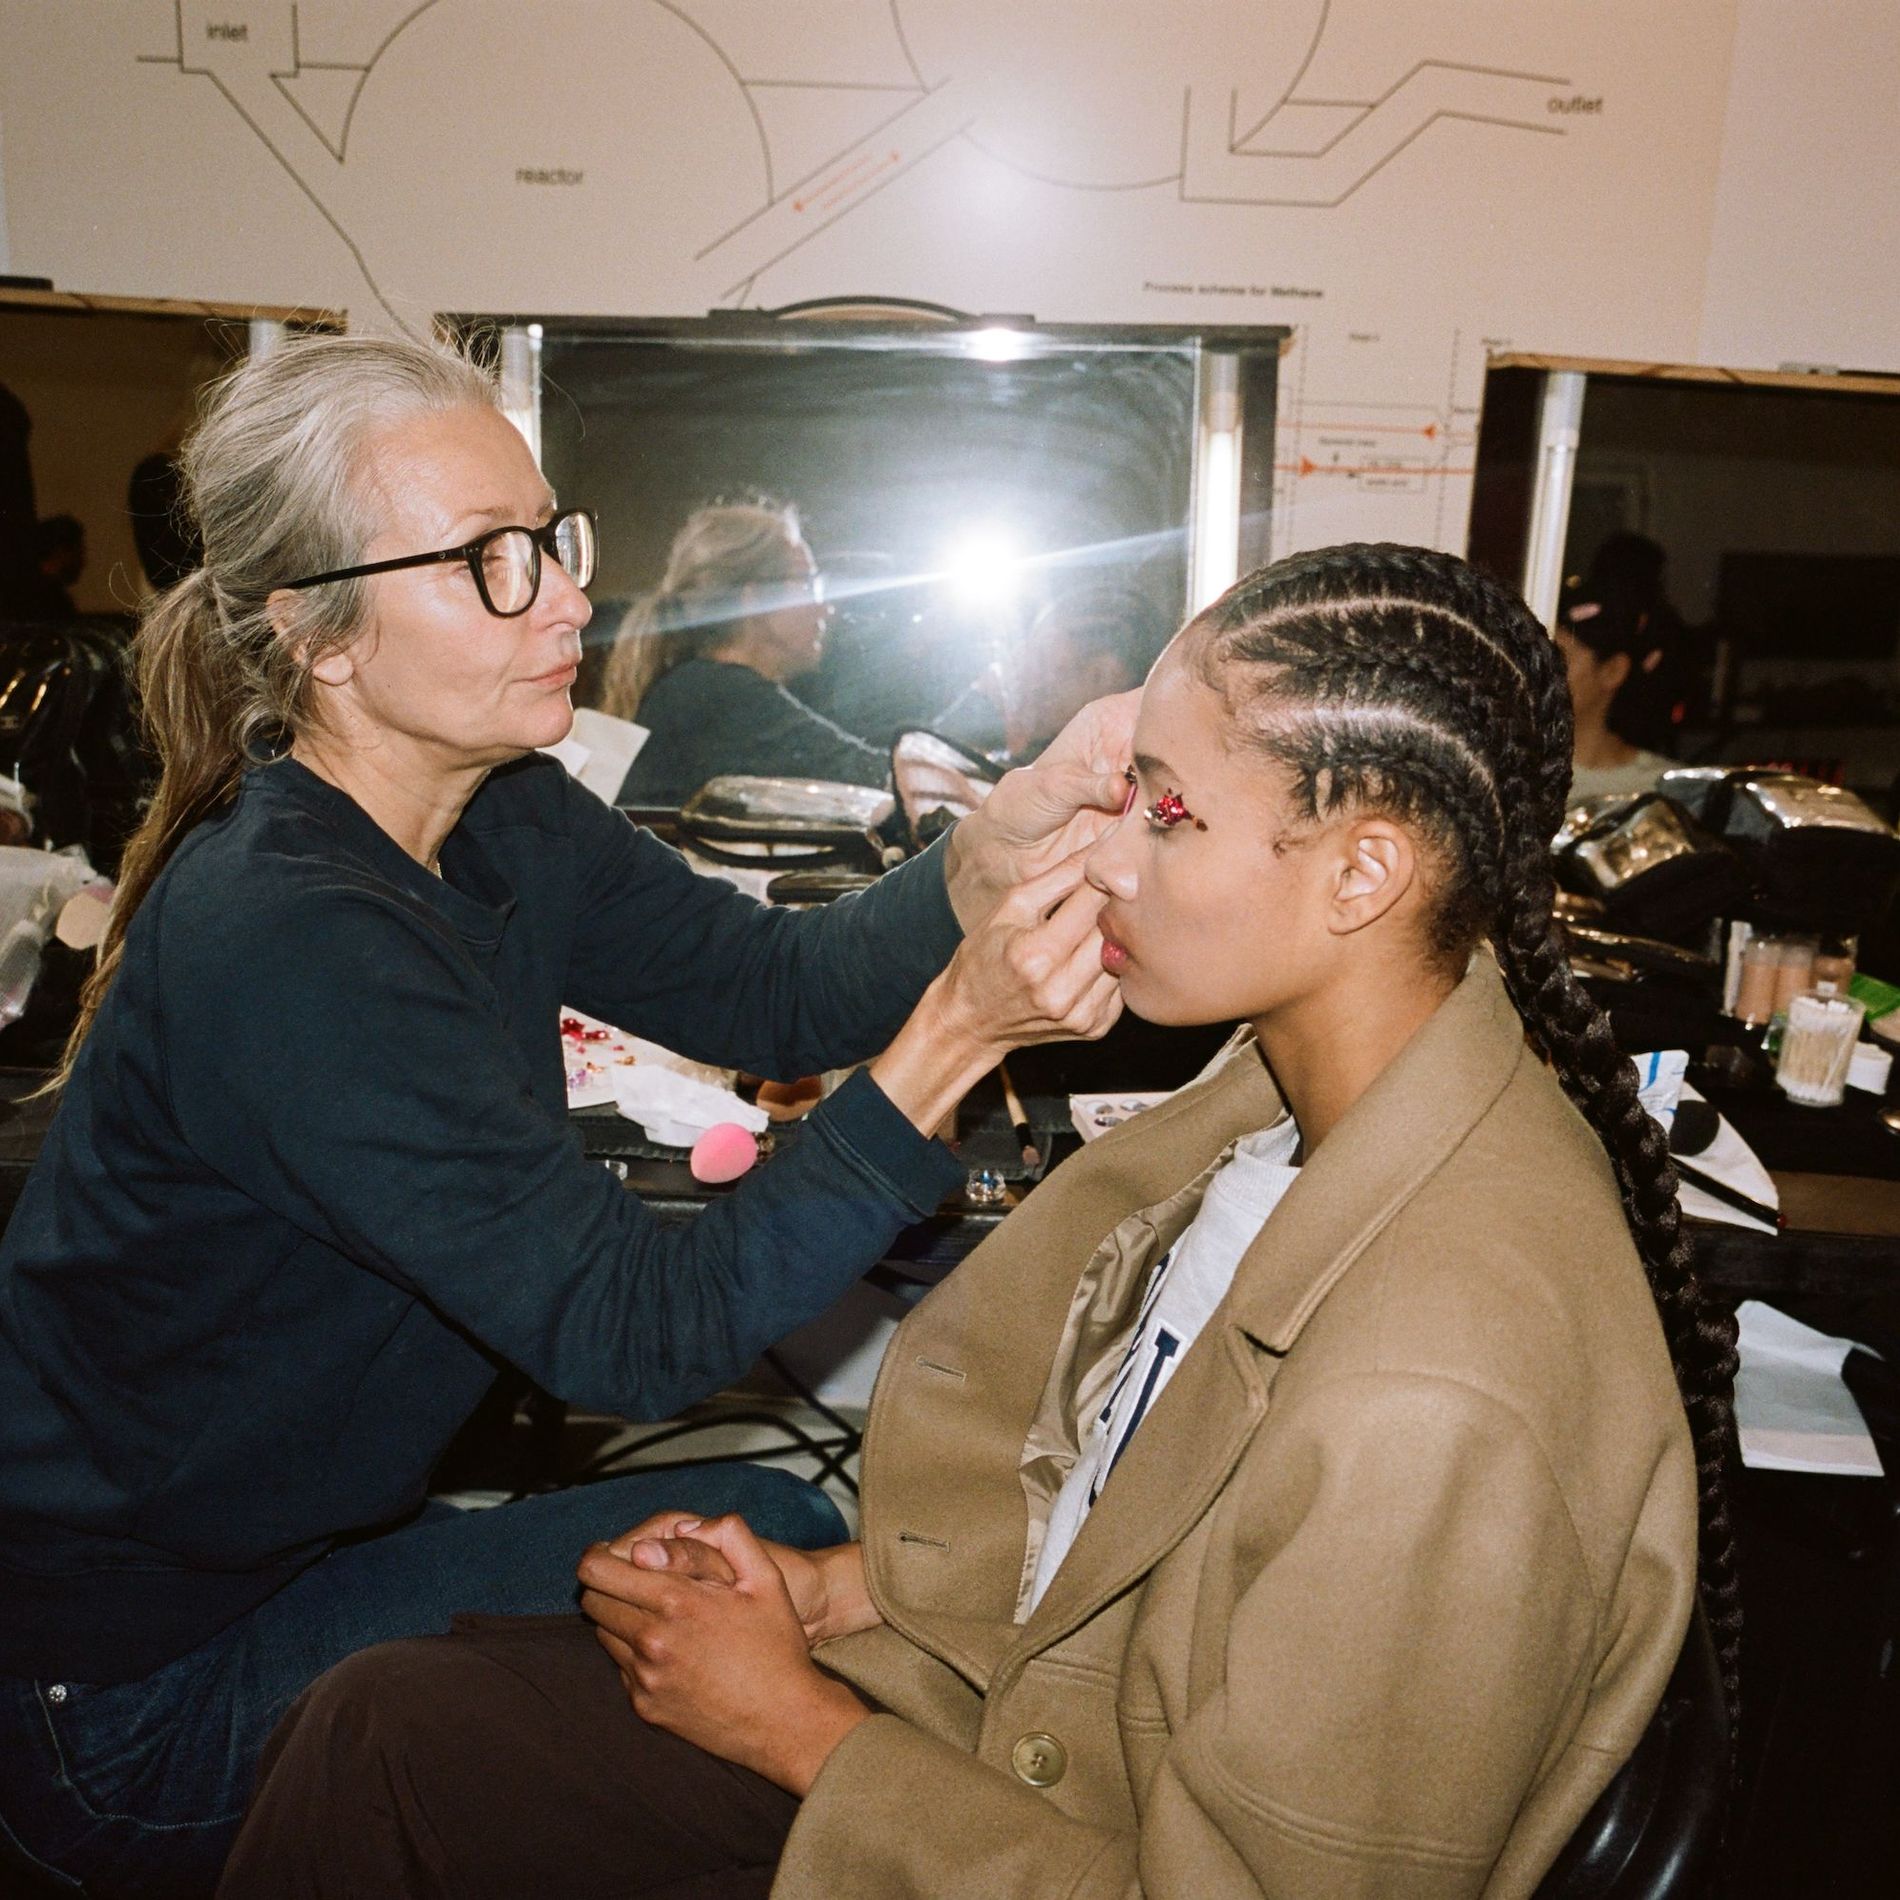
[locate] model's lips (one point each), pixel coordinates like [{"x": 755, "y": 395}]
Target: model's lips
[
  {"x": 561, "y": 676},
  {"x": 1115, "y": 957}
]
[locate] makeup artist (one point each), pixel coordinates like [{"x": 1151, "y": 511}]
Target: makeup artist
[{"x": 310, "y": 1180}]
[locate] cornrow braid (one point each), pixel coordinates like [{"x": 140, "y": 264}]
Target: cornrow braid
[{"x": 1403, "y": 680}]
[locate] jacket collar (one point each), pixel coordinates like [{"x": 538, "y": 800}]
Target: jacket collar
[{"x": 944, "y": 1536}]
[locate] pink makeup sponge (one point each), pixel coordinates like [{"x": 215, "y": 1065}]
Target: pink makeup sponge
[{"x": 723, "y": 1153}]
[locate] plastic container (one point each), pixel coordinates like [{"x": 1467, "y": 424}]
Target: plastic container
[
  {"x": 1816, "y": 1048},
  {"x": 1870, "y": 1067},
  {"x": 1755, "y": 985}
]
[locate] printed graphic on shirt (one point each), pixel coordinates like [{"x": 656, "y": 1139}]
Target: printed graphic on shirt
[{"x": 1153, "y": 1352}]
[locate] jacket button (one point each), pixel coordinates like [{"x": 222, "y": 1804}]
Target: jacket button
[{"x": 1039, "y": 1760}]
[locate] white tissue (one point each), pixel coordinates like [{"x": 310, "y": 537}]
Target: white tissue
[{"x": 674, "y": 1109}]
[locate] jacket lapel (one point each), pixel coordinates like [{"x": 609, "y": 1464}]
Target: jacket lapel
[{"x": 945, "y": 1517}]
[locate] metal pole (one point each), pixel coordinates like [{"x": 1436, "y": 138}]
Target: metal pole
[
  {"x": 1214, "y": 544},
  {"x": 521, "y": 382},
  {"x": 1558, "y": 426}
]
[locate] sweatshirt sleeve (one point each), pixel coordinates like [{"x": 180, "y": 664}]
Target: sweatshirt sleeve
[
  {"x": 367, "y": 1091},
  {"x": 713, "y": 974},
  {"x": 1353, "y": 1744}
]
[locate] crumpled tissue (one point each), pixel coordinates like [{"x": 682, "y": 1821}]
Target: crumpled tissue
[{"x": 674, "y": 1109}]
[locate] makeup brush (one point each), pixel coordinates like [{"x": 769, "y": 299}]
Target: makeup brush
[{"x": 1019, "y": 1119}]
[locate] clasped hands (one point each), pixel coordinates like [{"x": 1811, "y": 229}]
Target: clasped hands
[{"x": 712, "y": 1630}]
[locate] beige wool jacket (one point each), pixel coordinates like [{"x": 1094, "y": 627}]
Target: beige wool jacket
[{"x": 1383, "y": 1590}]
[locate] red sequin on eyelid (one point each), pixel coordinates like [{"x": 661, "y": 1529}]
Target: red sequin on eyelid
[{"x": 1169, "y": 810}]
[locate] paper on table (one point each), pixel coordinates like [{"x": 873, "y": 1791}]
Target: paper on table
[
  {"x": 674, "y": 1109},
  {"x": 1728, "y": 1158},
  {"x": 1792, "y": 1408},
  {"x": 597, "y": 1053},
  {"x": 598, "y": 749}
]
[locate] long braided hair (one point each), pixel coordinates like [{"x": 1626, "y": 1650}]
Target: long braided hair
[{"x": 1402, "y": 680}]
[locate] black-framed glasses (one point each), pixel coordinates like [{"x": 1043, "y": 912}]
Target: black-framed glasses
[{"x": 506, "y": 562}]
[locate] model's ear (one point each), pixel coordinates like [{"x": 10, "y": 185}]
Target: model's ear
[
  {"x": 336, "y": 668},
  {"x": 1376, "y": 863}
]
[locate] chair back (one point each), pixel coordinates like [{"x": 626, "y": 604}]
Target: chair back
[{"x": 1653, "y": 1832}]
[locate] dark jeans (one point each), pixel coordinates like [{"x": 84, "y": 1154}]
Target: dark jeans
[
  {"x": 137, "y": 1788},
  {"x": 497, "y": 1762}
]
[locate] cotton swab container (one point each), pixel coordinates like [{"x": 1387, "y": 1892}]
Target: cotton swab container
[{"x": 1817, "y": 1048}]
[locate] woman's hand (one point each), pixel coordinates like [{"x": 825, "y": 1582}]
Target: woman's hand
[
  {"x": 1031, "y": 972},
  {"x": 1041, "y": 814},
  {"x": 826, "y": 1587},
  {"x": 725, "y": 1665}
]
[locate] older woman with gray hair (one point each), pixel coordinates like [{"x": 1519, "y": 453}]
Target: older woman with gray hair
[
  {"x": 310, "y": 1182},
  {"x": 704, "y": 661}
]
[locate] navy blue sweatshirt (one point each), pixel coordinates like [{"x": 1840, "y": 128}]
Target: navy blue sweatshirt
[{"x": 312, "y": 1178}]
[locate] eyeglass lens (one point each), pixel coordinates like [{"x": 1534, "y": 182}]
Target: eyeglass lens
[{"x": 511, "y": 565}]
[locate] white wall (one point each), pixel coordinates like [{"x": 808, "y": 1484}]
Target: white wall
[{"x": 1408, "y": 183}]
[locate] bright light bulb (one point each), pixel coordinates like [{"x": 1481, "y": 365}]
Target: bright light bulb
[
  {"x": 981, "y": 567},
  {"x": 997, "y": 343}
]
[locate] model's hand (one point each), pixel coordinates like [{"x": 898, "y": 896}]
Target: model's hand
[
  {"x": 826, "y": 1587},
  {"x": 725, "y": 1665},
  {"x": 1041, "y": 814}
]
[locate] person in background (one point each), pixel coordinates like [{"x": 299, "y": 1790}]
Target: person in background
[
  {"x": 1082, "y": 646},
  {"x": 704, "y": 661},
  {"x": 1677, "y": 687},
  {"x": 162, "y": 531},
  {"x": 1604, "y": 635},
  {"x": 59, "y": 558},
  {"x": 18, "y": 514}
]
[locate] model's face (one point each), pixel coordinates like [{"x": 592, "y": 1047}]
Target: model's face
[
  {"x": 794, "y": 619},
  {"x": 1593, "y": 681},
  {"x": 1230, "y": 921},
  {"x": 432, "y": 664}
]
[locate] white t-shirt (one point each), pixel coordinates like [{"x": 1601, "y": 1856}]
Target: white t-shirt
[
  {"x": 1184, "y": 1287},
  {"x": 1637, "y": 775}
]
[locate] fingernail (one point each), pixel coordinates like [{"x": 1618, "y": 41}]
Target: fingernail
[
  {"x": 649, "y": 1555},
  {"x": 689, "y": 1523}
]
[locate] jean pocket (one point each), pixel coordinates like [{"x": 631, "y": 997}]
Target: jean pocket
[{"x": 153, "y": 1752}]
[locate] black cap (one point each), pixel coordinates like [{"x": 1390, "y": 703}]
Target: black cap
[{"x": 1606, "y": 615}]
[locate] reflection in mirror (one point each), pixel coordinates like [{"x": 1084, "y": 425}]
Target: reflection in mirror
[
  {"x": 807, "y": 549},
  {"x": 1732, "y": 565},
  {"x": 937, "y": 781}
]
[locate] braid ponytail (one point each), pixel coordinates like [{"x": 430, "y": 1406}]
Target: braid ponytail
[
  {"x": 1404, "y": 680},
  {"x": 1574, "y": 1035}
]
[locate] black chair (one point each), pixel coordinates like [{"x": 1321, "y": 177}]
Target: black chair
[{"x": 1654, "y": 1831}]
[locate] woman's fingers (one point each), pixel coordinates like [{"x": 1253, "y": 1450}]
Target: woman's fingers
[
  {"x": 694, "y": 1557},
  {"x": 660, "y": 1524},
  {"x": 1037, "y": 896},
  {"x": 734, "y": 1542}
]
